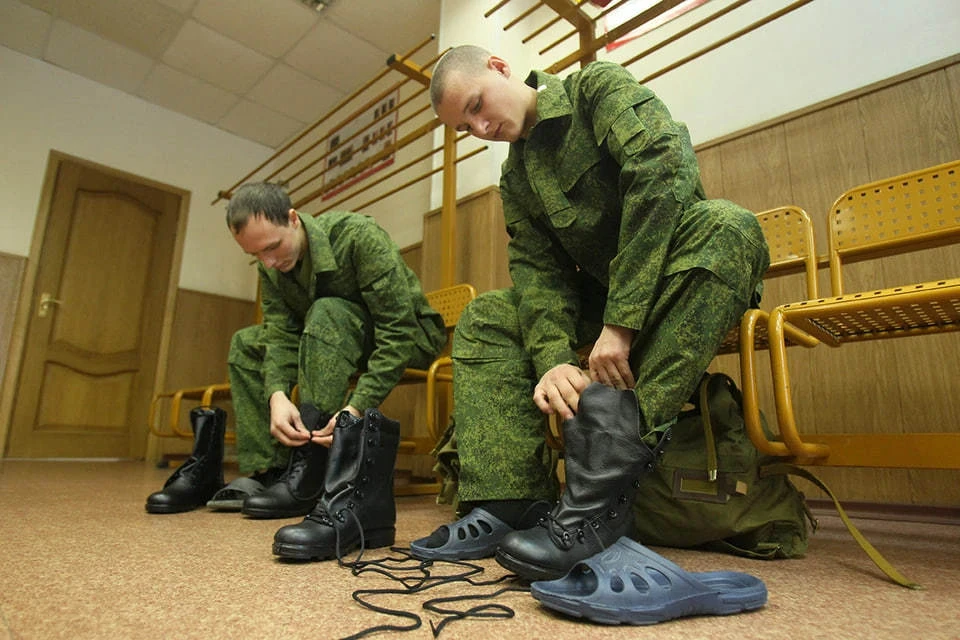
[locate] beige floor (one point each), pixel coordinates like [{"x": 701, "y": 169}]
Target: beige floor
[{"x": 79, "y": 558}]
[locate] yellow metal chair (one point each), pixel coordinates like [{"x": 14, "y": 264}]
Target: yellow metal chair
[
  {"x": 905, "y": 213},
  {"x": 449, "y": 302}
]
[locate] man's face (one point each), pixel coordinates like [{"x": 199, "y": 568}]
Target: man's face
[
  {"x": 277, "y": 247},
  {"x": 489, "y": 105}
]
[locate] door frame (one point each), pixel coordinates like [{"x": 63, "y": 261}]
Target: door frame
[{"x": 23, "y": 313}]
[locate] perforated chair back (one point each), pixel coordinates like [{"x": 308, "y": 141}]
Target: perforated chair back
[
  {"x": 789, "y": 234},
  {"x": 788, "y": 231},
  {"x": 450, "y": 302},
  {"x": 909, "y": 212}
]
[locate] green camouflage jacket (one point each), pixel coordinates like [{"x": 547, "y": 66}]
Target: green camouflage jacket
[
  {"x": 352, "y": 258},
  {"x": 597, "y": 204}
]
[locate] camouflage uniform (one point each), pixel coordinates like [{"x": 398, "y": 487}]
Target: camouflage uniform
[
  {"x": 608, "y": 223},
  {"x": 350, "y": 304}
]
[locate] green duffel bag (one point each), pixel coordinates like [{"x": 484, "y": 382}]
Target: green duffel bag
[{"x": 712, "y": 489}]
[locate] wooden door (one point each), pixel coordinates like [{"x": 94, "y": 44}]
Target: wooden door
[{"x": 91, "y": 344}]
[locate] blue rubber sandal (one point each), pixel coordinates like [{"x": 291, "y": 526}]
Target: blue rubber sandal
[
  {"x": 474, "y": 536},
  {"x": 630, "y": 584}
]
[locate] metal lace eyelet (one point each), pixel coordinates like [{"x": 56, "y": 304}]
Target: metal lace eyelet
[
  {"x": 622, "y": 499},
  {"x": 612, "y": 515}
]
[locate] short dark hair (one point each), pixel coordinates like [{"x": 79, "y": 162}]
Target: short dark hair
[
  {"x": 265, "y": 199},
  {"x": 466, "y": 58}
]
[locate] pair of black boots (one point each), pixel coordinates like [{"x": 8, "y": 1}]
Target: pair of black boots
[
  {"x": 290, "y": 493},
  {"x": 346, "y": 490}
]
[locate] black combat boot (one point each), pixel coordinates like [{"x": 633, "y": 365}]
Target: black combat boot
[
  {"x": 605, "y": 458},
  {"x": 357, "y": 508},
  {"x": 196, "y": 480},
  {"x": 296, "y": 492}
]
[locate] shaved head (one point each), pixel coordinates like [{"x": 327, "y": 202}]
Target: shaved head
[{"x": 467, "y": 59}]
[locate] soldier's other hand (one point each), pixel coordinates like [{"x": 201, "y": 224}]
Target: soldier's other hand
[
  {"x": 559, "y": 390},
  {"x": 610, "y": 357},
  {"x": 285, "y": 422},
  {"x": 324, "y": 435}
]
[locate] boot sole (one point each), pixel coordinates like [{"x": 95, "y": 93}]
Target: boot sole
[
  {"x": 373, "y": 539},
  {"x": 526, "y": 570},
  {"x": 272, "y": 514},
  {"x": 172, "y": 508}
]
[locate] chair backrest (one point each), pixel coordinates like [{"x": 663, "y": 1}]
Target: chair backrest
[
  {"x": 450, "y": 302},
  {"x": 789, "y": 234},
  {"x": 909, "y": 212}
]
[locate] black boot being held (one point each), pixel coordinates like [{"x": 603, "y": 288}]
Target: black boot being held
[
  {"x": 296, "y": 492},
  {"x": 201, "y": 475},
  {"x": 357, "y": 508},
  {"x": 604, "y": 460}
]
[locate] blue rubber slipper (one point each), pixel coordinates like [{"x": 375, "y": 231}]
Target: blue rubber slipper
[
  {"x": 474, "y": 536},
  {"x": 630, "y": 584}
]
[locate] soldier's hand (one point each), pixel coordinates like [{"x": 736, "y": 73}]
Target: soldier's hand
[
  {"x": 610, "y": 357},
  {"x": 559, "y": 390},
  {"x": 285, "y": 423}
]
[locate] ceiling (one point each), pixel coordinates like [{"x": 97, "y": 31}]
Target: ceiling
[{"x": 260, "y": 69}]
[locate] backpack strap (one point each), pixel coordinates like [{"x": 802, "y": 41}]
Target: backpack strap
[{"x": 783, "y": 468}]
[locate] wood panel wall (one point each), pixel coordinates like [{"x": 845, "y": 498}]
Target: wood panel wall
[
  {"x": 11, "y": 281},
  {"x": 203, "y": 325}
]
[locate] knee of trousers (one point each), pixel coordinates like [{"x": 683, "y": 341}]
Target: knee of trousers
[
  {"x": 246, "y": 347},
  {"x": 338, "y": 324},
  {"x": 489, "y": 327}
]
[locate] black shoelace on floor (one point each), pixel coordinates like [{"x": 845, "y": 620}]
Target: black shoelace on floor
[{"x": 417, "y": 576}]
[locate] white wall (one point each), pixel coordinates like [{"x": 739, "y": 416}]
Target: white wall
[
  {"x": 44, "y": 107},
  {"x": 824, "y": 49}
]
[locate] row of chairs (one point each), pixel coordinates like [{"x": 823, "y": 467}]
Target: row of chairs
[{"x": 905, "y": 213}]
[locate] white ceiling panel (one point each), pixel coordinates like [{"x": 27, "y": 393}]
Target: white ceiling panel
[
  {"x": 23, "y": 28},
  {"x": 395, "y": 27},
  {"x": 295, "y": 94},
  {"x": 268, "y": 27},
  {"x": 260, "y": 124},
  {"x": 187, "y": 94},
  {"x": 96, "y": 58},
  {"x": 145, "y": 26},
  {"x": 262, "y": 69},
  {"x": 336, "y": 57},
  {"x": 214, "y": 57}
]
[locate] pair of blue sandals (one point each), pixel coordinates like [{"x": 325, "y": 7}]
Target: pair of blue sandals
[{"x": 626, "y": 583}]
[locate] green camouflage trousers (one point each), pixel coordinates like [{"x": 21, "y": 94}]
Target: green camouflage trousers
[
  {"x": 327, "y": 359},
  {"x": 500, "y": 431}
]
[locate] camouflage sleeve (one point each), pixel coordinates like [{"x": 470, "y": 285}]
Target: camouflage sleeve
[
  {"x": 543, "y": 276},
  {"x": 658, "y": 177},
  {"x": 391, "y": 301},
  {"x": 282, "y": 331}
]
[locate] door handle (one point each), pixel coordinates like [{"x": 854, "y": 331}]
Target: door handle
[{"x": 46, "y": 301}]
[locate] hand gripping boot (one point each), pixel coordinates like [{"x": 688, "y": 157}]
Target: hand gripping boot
[
  {"x": 604, "y": 460},
  {"x": 196, "y": 480},
  {"x": 296, "y": 492},
  {"x": 357, "y": 508}
]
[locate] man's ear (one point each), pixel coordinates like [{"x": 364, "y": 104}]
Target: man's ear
[
  {"x": 499, "y": 65},
  {"x": 292, "y": 218}
]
